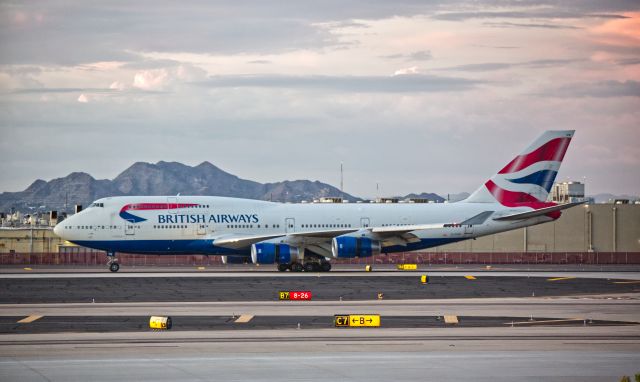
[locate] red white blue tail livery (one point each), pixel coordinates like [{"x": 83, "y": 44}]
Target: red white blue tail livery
[{"x": 527, "y": 179}]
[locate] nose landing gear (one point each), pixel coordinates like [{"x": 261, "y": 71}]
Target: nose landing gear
[
  {"x": 309, "y": 266},
  {"x": 112, "y": 262}
]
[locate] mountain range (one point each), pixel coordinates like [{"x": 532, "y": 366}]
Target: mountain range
[
  {"x": 173, "y": 178},
  {"x": 165, "y": 178}
]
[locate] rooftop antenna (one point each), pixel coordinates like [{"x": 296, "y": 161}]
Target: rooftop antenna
[{"x": 341, "y": 179}]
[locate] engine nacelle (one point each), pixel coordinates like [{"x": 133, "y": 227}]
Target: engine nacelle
[
  {"x": 269, "y": 253},
  {"x": 235, "y": 260},
  {"x": 346, "y": 247}
]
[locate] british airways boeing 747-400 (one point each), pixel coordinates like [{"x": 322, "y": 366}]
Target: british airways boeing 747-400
[{"x": 300, "y": 237}]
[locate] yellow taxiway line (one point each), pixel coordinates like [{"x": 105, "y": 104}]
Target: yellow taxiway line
[
  {"x": 29, "y": 319},
  {"x": 243, "y": 319}
]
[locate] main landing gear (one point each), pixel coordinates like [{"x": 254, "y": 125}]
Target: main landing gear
[
  {"x": 112, "y": 262},
  {"x": 323, "y": 266}
]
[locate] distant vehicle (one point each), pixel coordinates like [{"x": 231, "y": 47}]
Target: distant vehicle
[{"x": 300, "y": 237}]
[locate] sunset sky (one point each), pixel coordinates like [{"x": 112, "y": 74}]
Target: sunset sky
[{"x": 413, "y": 95}]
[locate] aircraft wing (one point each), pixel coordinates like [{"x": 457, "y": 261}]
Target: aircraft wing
[
  {"x": 242, "y": 241},
  {"x": 538, "y": 212}
]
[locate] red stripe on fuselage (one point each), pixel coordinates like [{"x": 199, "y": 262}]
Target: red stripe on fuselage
[
  {"x": 553, "y": 150},
  {"x": 155, "y": 206}
]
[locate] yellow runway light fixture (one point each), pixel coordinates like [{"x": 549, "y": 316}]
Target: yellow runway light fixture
[{"x": 160, "y": 322}]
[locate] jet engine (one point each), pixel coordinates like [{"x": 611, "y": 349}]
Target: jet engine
[
  {"x": 351, "y": 246},
  {"x": 269, "y": 253}
]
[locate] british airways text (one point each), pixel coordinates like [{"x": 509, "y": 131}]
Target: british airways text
[{"x": 223, "y": 218}]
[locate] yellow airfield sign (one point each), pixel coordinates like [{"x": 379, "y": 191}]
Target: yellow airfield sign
[{"x": 357, "y": 320}]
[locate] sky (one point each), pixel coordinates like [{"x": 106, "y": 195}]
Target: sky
[{"x": 415, "y": 96}]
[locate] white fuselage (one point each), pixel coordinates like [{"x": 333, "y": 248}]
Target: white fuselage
[{"x": 132, "y": 224}]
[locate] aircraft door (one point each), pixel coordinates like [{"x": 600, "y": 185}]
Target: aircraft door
[
  {"x": 172, "y": 202},
  {"x": 201, "y": 229},
  {"x": 468, "y": 229},
  {"x": 289, "y": 225},
  {"x": 365, "y": 222}
]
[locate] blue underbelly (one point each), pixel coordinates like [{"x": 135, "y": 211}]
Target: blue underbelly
[
  {"x": 206, "y": 247},
  {"x": 167, "y": 247}
]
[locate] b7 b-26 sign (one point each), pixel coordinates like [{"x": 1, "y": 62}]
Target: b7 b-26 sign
[
  {"x": 357, "y": 320},
  {"x": 295, "y": 295}
]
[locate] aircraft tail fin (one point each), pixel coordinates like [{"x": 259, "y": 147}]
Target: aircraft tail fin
[{"x": 527, "y": 178}]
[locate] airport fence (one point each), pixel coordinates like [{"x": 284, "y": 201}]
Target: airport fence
[{"x": 93, "y": 258}]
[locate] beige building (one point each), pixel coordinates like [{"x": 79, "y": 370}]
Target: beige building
[
  {"x": 595, "y": 227},
  {"x": 27, "y": 240}
]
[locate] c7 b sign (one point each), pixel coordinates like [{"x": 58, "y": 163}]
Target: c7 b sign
[{"x": 356, "y": 320}]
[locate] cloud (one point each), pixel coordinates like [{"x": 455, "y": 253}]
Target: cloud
[
  {"x": 505, "y": 24},
  {"x": 71, "y": 33},
  {"x": 628, "y": 61},
  {"x": 411, "y": 70},
  {"x": 82, "y": 33},
  {"x": 161, "y": 79},
  {"x": 533, "y": 13},
  {"x": 145, "y": 63},
  {"x": 483, "y": 67},
  {"x": 42, "y": 90},
  {"x": 154, "y": 79},
  {"x": 409, "y": 83},
  {"x": 599, "y": 89},
  {"x": 216, "y": 78},
  {"x": 494, "y": 66},
  {"x": 619, "y": 32},
  {"x": 117, "y": 85},
  {"x": 421, "y": 55}
]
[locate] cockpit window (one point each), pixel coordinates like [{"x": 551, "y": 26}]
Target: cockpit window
[{"x": 96, "y": 205}]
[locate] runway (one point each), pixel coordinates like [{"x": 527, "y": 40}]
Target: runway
[
  {"x": 335, "y": 365},
  {"x": 572, "y": 326},
  {"x": 449, "y": 354},
  {"x": 342, "y": 286}
]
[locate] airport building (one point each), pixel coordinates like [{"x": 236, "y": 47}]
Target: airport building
[{"x": 568, "y": 192}]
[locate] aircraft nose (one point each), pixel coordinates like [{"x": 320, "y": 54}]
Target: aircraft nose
[{"x": 58, "y": 229}]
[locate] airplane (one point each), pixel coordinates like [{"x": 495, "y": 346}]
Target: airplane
[{"x": 307, "y": 236}]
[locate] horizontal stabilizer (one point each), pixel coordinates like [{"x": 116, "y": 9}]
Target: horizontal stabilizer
[
  {"x": 540, "y": 212},
  {"x": 478, "y": 219}
]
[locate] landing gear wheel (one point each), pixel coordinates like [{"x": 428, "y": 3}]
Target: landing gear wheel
[
  {"x": 114, "y": 267},
  {"x": 309, "y": 267},
  {"x": 296, "y": 267},
  {"x": 283, "y": 267},
  {"x": 325, "y": 266}
]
